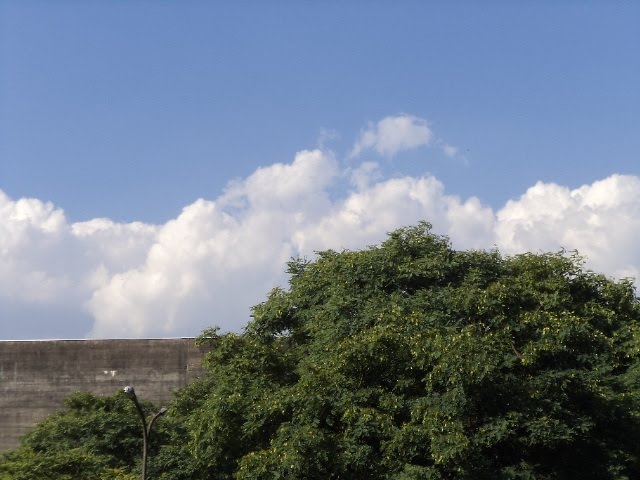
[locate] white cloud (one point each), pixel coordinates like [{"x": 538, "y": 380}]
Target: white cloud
[
  {"x": 449, "y": 150},
  {"x": 364, "y": 174},
  {"x": 393, "y": 134},
  {"x": 601, "y": 221},
  {"x": 365, "y": 216},
  {"x": 214, "y": 261},
  {"x": 296, "y": 185},
  {"x": 29, "y": 231},
  {"x": 50, "y": 267},
  {"x": 218, "y": 257}
]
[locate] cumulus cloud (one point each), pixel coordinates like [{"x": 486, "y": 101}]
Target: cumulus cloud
[
  {"x": 364, "y": 174},
  {"x": 364, "y": 216},
  {"x": 30, "y": 231},
  {"x": 49, "y": 267},
  {"x": 219, "y": 257},
  {"x": 601, "y": 221},
  {"x": 392, "y": 135},
  {"x": 214, "y": 261}
]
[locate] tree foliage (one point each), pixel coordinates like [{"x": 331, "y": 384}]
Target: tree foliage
[
  {"x": 90, "y": 438},
  {"x": 407, "y": 360},
  {"x": 410, "y": 360}
]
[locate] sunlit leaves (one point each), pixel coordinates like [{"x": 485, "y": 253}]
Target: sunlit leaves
[{"x": 412, "y": 360}]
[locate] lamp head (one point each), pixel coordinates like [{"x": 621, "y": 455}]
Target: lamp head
[{"x": 129, "y": 391}]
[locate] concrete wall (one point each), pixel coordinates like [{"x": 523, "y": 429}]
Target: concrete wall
[{"x": 36, "y": 376}]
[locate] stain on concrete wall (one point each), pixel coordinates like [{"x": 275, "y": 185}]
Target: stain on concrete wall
[{"x": 36, "y": 376}]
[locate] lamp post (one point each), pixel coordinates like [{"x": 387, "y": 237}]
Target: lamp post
[{"x": 146, "y": 429}]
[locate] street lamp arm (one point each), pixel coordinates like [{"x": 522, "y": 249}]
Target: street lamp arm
[{"x": 161, "y": 412}]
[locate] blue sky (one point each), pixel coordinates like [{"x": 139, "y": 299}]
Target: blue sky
[{"x": 116, "y": 117}]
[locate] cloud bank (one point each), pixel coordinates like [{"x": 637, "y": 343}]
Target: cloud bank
[{"x": 219, "y": 257}]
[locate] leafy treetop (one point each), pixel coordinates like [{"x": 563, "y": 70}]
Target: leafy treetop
[{"x": 410, "y": 360}]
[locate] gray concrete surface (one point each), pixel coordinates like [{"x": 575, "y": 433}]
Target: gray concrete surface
[{"x": 36, "y": 376}]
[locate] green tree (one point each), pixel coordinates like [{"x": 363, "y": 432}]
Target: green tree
[
  {"x": 410, "y": 360},
  {"x": 90, "y": 438}
]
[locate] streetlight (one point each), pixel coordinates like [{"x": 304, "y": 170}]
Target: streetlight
[{"x": 146, "y": 429}]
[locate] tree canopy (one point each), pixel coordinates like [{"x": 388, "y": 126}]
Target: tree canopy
[
  {"x": 97, "y": 438},
  {"x": 411, "y": 360}
]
